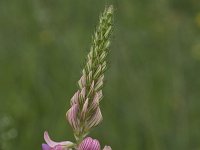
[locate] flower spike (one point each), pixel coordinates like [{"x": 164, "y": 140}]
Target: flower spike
[{"x": 85, "y": 113}]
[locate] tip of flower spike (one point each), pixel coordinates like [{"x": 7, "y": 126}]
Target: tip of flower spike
[{"x": 110, "y": 9}]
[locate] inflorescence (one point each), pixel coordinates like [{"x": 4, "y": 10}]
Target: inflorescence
[{"x": 85, "y": 112}]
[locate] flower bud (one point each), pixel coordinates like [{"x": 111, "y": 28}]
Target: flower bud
[
  {"x": 74, "y": 99},
  {"x": 95, "y": 119},
  {"x": 84, "y": 110},
  {"x": 72, "y": 116},
  {"x": 82, "y": 81},
  {"x": 107, "y": 148}
]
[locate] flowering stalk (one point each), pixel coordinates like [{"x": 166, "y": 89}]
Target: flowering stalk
[{"x": 85, "y": 113}]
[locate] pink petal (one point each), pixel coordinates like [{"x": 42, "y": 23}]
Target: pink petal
[
  {"x": 72, "y": 116},
  {"x": 85, "y": 144},
  {"x": 46, "y": 147},
  {"x": 89, "y": 144},
  {"x": 95, "y": 145},
  {"x": 53, "y": 143},
  {"x": 58, "y": 147},
  {"x": 74, "y": 99}
]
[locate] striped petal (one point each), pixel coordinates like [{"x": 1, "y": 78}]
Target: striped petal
[
  {"x": 89, "y": 144},
  {"x": 95, "y": 145}
]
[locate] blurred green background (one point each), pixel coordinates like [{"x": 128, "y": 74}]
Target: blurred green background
[{"x": 152, "y": 93}]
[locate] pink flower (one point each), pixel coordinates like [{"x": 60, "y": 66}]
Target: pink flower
[
  {"x": 91, "y": 144},
  {"x": 51, "y": 145}
]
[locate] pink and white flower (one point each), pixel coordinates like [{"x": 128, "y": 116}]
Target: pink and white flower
[{"x": 52, "y": 145}]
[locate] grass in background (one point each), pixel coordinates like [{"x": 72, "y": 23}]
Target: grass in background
[{"x": 154, "y": 83}]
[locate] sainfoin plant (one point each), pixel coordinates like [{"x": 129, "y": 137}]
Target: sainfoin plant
[{"x": 85, "y": 113}]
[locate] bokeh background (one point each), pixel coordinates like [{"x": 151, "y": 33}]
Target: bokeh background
[{"x": 152, "y": 92}]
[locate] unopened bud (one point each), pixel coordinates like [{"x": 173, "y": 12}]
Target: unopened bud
[{"x": 72, "y": 116}]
